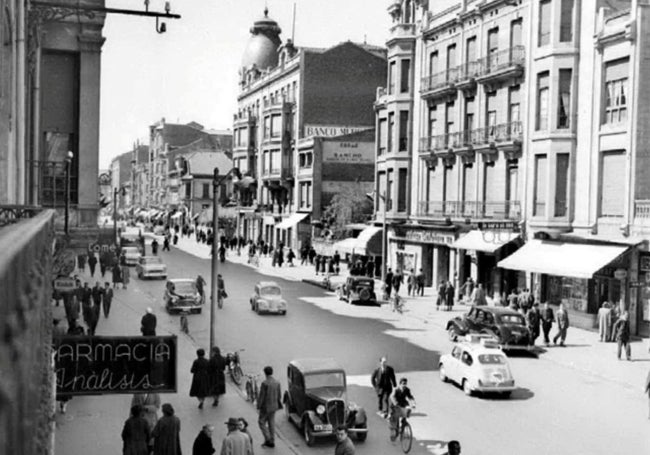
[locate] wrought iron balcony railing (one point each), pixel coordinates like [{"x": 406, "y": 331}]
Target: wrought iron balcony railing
[
  {"x": 503, "y": 132},
  {"x": 506, "y": 210},
  {"x": 502, "y": 59},
  {"x": 439, "y": 80}
]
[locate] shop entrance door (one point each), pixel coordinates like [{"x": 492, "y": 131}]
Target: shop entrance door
[{"x": 427, "y": 265}]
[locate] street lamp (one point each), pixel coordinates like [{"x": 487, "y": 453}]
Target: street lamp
[
  {"x": 217, "y": 180},
  {"x": 68, "y": 163},
  {"x": 382, "y": 196},
  {"x": 121, "y": 190}
]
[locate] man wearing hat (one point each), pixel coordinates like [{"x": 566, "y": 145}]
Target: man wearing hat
[{"x": 236, "y": 442}]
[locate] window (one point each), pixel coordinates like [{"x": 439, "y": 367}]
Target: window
[
  {"x": 493, "y": 48},
  {"x": 512, "y": 182},
  {"x": 564, "y": 99},
  {"x": 403, "y": 131},
  {"x": 267, "y": 127},
  {"x": 469, "y": 119},
  {"x": 470, "y": 50},
  {"x": 391, "y": 77},
  {"x": 541, "y": 118},
  {"x": 491, "y": 114},
  {"x": 469, "y": 183},
  {"x": 515, "y": 33},
  {"x": 451, "y": 184},
  {"x": 391, "y": 131},
  {"x": 52, "y": 170},
  {"x": 205, "y": 194},
  {"x": 616, "y": 73},
  {"x": 544, "y": 32},
  {"x": 561, "y": 183},
  {"x": 432, "y": 120},
  {"x": 305, "y": 195},
  {"x": 612, "y": 183},
  {"x": 451, "y": 56},
  {"x": 275, "y": 162},
  {"x": 489, "y": 181},
  {"x": 381, "y": 189},
  {"x": 566, "y": 21},
  {"x": 276, "y": 126},
  {"x": 539, "y": 204},
  {"x": 467, "y": 359},
  {"x": 433, "y": 62},
  {"x": 514, "y": 110},
  {"x": 382, "y": 133},
  {"x": 402, "y": 185},
  {"x": 405, "y": 76},
  {"x": 390, "y": 182},
  {"x": 449, "y": 117}
]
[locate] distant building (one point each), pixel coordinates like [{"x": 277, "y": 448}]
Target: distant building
[
  {"x": 288, "y": 94},
  {"x": 140, "y": 175},
  {"x": 121, "y": 181}
]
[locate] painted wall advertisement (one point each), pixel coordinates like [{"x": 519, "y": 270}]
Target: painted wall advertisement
[{"x": 332, "y": 130}]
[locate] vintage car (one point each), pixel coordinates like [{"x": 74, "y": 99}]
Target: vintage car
[
  {"x": 131, "y": 255},
  {"x": 358, "y": 289},
  {"x": 151, "y": 267},
  {"x": 182, "y": 296},
  {"x": 316, "y": 400},
  {"x": 267, "y": 298},
  {"x": 505, "y": 325},
  {"x": 477, "y": 364}
]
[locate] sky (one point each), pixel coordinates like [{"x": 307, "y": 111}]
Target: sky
[{"x": 190, "y": 73}]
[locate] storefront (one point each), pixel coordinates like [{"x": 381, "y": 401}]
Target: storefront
[
  {"x": 249, "y": 225},
  {"x": 294, "y": 231},
  {"x": 365, "y": 246},
  {"x": 427, "y": 249},
  {"x": 643, "y": 295},
  {"x": 581, "y": 276}
]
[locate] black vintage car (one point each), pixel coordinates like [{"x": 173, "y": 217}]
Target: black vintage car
[
  {"x": 358, "y": 289},
  {"x": 316, "y": 400},
  {"x": 505, "y": 325}
]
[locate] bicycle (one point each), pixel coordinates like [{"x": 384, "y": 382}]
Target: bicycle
[
  {"x": 404, "y": 430},
  {"x": 234, "y": 366},
  {"x": 397, "y": 303},
  {"x": 252, "y": 389}
]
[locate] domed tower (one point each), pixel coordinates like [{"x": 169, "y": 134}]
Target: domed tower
[{"x": 262, "y": 49}]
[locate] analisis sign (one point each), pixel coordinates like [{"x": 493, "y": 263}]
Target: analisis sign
[{"x": 114, "y": 365}]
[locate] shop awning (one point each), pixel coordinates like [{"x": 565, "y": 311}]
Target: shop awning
[
  {"x": 345, "y": 246},
  {"x": 561, "y": 258},
  {"x": 367, "y": 243},
  {"x": 292, "y": 220},
  {"x": 485, "y": 241}
]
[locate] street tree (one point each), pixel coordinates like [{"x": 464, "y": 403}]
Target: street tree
[{"x": 350, "y": 205}]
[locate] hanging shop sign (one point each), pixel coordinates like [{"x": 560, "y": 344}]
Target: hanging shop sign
[
  {"x": 423, "y": 236},
  {"x": 620, "y": 274},
  {"x": 115, "y": 365}
]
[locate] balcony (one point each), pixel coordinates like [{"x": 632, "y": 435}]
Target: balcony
[
  {"x": 440, "y": 85},
  {"x": 244, "y": 119},
  {"x": 401, "y": 32},
  {"x": 499, "y": 210},
  {"x": 642, "y": 210},
  {"x": 380, "y": 98},
  {"x": 467, "y": 74},
  {"x": 502, "y": 65},
  {"x": 278, "y": 103}
]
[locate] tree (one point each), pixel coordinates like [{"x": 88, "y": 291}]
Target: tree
[{"x": 350, "y": 205}]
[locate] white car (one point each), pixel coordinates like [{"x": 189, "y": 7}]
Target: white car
[
  {"x": 131, "y": 254},
  {"x": 151, "y": 267},
  {"x": 267, "y": 298},
  {"x": 477, "y": 365}
]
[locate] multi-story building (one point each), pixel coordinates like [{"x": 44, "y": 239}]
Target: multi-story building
[
  {"x": 140, "y": 175},
  {"x": 121, "y": 181},
  {"x": 287, "y": 95}
]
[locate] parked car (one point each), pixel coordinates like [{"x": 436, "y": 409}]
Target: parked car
[
  {"x": 182, "y": 295},
  {"x": 267, "y": 298},
  {"x": 358, "y": 289},
  {"x": 316, "y": 400},
  {"x": 151, "y": 267},
  {"x": 131, "y": 255},
  {"x": 505, "y": 325},
  {"x": 477, "y": 364}
]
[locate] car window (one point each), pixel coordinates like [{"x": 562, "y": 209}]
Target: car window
[
  {"x": 492, "y": 359},
  {"x": 489, "y": 318},
  {"x": 270, "y": 290},
  {"x": 185, "y": 287},
  {"x": 466, "y": 358},
  {"x": 456, "y": 352},
  {"x": 320, "y": 380},
  {"x": 151, "y": 260},
  {"x": 512, "y": 319}
]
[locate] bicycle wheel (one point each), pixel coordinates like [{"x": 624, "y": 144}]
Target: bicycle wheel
[
  {"x": 236, "y": 374},
  {"x": 406, "y": 437}
]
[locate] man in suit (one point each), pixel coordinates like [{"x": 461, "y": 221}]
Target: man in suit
[
  {"x": 383, "y": 380},
  {"x": 268, "y": 402}
]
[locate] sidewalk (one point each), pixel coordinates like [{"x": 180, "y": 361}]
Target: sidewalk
[{"x": 583, "y": 353}]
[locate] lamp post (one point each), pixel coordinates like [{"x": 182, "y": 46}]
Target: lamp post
[
  {"x": 217, "y": 180},
  {"x": 116, "y": 191},
  {"x": 382, "y": 196},
  {"x": 68, "y": 163}
]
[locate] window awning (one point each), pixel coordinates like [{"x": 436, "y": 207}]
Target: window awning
[
  {"x": 292, "y": 220},
  {"x": 485, "y": 241},
  {"x": 367, "y": 243},
  {"x": 561, "y": 258}
]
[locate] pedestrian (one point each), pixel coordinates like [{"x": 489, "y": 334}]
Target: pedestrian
[
  {"x": 268, "y": 402},
  {"x": 75, "y": 329},
  {"x": 440, "y": 299},
  {"x": 148, "y": 323},
  {"x": 217, "y": 365},
  {"x": 468, "y": 289},
  {"x": 411, "y": 283},
  {"x": 419, "y": 281},
  {"x": 398, "y": 279},
  {"x": 622, "y": 334},
  {"x": 103, "y": 263},
  {"x": 604, "y": 321},
  {"x": 337, "y": 259},
  {"x": 203, "y": 442},
  {"x": 344, "y": 445},
  {"x": 97, "y": 293},
  {"x": 562, "y": 318},
  {"x": 136, "y": 434},
  {"x": 200, "y": 387},
  {"x": 547, "y": 318},
  {"x": 116, "y": 272},
  {"x": 383, "y": 381},
  {"x": 154, "y": 247},
  {"x": 311, "y": 254},
  {"x": 176, "y": 239},
  {"x": 149, "y": 404},
  {"x": 243, "y": 427},
  {"x": 615, "y": 314},
  {"x": 92, "y": 263},
  {"x": 126, "y": 276},
  {"x": 449, "y": 295},
  {"x": 370, "y": 268},
  {"x": 513, "y": 300},
  {"x": 107, "y": 299},
  {"x": 317, "y": 264},
  {"x": 166, "y": 243},
  {"x": 71, "y": 306},
  {"x": 478, "y": 296},
  {"x": 236, "y": 442},
  {"x": 532, "y": 321},
  {"x": 166, "y": 434},
  {"x": 388, "y": 281},
  {"x": 200, "y": 285},
  {"x": 81, "y": 262},
  {"x": 57, "y": 330},
  {"x": 453, "y": 448}
]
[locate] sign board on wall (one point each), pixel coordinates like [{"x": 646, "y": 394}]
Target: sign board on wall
[
  {"x": 332, "y": 130},
  {"x": 422, "y": 236},
  {"x": 115, "y": 365},
  {"x": 348, "y": 152}
]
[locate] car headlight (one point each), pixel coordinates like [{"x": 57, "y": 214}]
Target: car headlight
[
  {"x": 320, "y": 409},
  {"x": 174, "y": 299}
]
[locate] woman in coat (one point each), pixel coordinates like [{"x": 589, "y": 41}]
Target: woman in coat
[
  {"x": 126, "y": 276},
  {"x": 166, "y": 434},
  {"x": 201, "y": 380},
  {"x": 116, "y": 272},
  {"x": 136, "y": 434},
  {"x": 217, "y": 366},
  {"x": 150, "y": 403}
]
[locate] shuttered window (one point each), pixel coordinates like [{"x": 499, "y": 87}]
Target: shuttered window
[
  {"x": 469, "y": 183},
  {"x": 612, "y": 183},
  {"x": 489, "y": 181},
  {"x": 544, "y": 32},
  {"x": 539, "y": 206},
  {"x": 561, "y": 183},
  {"x": 451, "y": 183},
  {"x": 402, "y": 185}
]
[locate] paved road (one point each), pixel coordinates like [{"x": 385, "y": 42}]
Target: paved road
[{"x": 557, "y": 410}]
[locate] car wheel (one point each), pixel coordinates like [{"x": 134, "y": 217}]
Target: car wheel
[
  {"x": 443, "y": 373},
  {"x": 453, "y": 335},
  {"x": 466, "y": 388},
  {"x": 308, "y": 433},
  {"x": 362, "y": 436}
]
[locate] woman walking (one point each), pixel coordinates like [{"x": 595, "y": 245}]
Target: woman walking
[
  {"x": 201, "y": 378},
  {"x": 217, "y": 365},
  {"x": 136, "y": 434},
  {"x": 166, "y": 434},
  {"x": 126, "y": 276},
  {"x": 116, "y": 272}
]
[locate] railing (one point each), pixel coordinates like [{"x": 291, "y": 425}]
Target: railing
[
  {"x": 502, "y": 59},
  {"x": 244, "y": 117},
  {"x": 287, "y": 98},
  {"x": 441, "y": 79},
  {"x": 506, "y": 210},
  {"x": 642, "y": 209},
  {"x": 503, "y": 132},
  {"x": 10, "y": 214},
  {"x": 469, "y": 70}
]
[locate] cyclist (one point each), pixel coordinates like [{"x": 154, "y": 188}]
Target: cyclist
[
  {"x": 221, "y": 288},
  {"x": 401, "y": 403}
]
